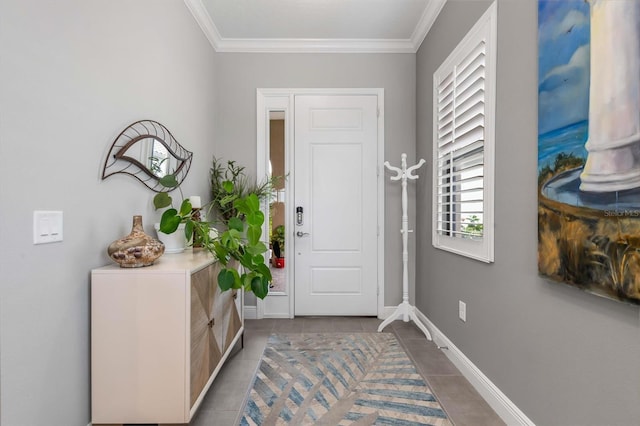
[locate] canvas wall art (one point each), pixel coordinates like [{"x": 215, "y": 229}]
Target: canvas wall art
[{"x": 589, "y": 145}]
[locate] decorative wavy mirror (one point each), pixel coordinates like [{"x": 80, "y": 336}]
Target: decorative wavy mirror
[{"x": 147, "y": 151}]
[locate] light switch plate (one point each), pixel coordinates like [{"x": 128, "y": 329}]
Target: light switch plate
[{"x": 47, "y": 226}]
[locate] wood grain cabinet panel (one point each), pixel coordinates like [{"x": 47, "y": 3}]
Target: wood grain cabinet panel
[{"x": 159, "y": 336}]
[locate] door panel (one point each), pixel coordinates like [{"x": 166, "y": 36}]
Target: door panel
[
  {"x": 336, "y": 280},
  {"x": 334, "y": 210},
  {"x": 336, "y": 185}
]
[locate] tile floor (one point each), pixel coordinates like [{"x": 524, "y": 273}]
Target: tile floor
[{"x": 222, "y": 405}]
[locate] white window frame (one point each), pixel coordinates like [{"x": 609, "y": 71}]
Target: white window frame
[{"x": 485, "y": 30}]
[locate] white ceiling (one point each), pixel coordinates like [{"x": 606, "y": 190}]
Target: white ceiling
[{"x": 315, "y": 25}]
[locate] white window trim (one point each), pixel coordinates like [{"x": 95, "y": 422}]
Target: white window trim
[{"x": 483, "y": 250}]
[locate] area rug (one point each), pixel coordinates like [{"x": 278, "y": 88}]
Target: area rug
[{"x": 331, "y": 379}]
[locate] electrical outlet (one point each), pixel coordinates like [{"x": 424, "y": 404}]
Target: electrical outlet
[{"x": 462, "y": 310}]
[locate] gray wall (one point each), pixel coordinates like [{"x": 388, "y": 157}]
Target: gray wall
[
  {"x": 239, "y": 75},
  {"x": 562, "y": 356},
  {"x": 73, "y": 74}
]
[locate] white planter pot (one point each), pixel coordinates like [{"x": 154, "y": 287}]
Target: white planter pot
[{"x": 173, "y": 243}]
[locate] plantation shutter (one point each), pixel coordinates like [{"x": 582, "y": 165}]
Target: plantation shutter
[
  {"x": 460, "y": 157},
  {"x": 463, "y": 141}
]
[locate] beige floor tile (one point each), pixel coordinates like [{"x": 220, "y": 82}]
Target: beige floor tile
[
  {"x": 288, "y": 325},
  {"x": 317, "y": 325},
  {"x": 429, "y": 359},
  {"x": 454, "y": 389},
  {"x": 347, "y": 324},
  {"x": 370, "y": 324},
  {"x": 259, "y": 324},
  {"x": 209, "y": 417}
]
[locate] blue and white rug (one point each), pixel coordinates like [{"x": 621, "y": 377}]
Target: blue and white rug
[{"x": 339, "y": 379}]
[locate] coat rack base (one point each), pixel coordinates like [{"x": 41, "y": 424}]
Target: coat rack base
[{"x": 407, "y": 313}]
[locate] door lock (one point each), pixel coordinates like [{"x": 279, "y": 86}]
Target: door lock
[{"x": 299, "y": 211}]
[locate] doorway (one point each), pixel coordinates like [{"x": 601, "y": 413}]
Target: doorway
[{"x": 365, "y": 245}]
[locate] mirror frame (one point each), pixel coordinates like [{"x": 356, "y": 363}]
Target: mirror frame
[{"x": 118, "y": 161}]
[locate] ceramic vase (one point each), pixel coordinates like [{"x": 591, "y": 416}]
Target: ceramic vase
[{"x": 136, "y": 249}]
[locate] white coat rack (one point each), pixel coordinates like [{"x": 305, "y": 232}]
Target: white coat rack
[{"x": 405, "y": 310}]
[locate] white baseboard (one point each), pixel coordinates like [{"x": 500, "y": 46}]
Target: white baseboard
[
  {"x": 250, "y": 312},
  {"x": 281, "y": 315},
  {"x": 501, "y": 404}
]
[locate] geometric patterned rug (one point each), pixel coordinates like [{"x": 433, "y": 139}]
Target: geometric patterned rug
[{"x": 330, "y": 379}]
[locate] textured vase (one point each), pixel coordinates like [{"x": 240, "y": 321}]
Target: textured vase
[{"x": 136, "y": 249}]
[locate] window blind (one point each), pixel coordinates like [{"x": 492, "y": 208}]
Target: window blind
[
  {"x": 463, "y": 143},
  {"x": 460, "y": 147}
]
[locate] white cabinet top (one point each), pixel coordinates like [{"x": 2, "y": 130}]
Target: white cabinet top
[{"x": 191, "y": 260}]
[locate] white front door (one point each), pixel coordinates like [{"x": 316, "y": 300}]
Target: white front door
[{"x": 335, "y": 245}]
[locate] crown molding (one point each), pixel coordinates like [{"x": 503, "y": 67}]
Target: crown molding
[
  {"x": 429, "y": 16},
  {"x": 202, "y": 17},
  {"x": 316, "y": 46},
  {"x": 242, "y": 45}
]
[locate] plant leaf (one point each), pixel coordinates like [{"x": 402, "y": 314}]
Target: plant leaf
[
  {"x": 169, "y": 181},
  {"x": 235, "y": 234},
  {"x": 255, "y": 218},
  {"x": 185, "y": 208},
  {"x": 227, "y": 185},
  {"x": 246, "y": 281},
  {"x": 259, "y": 287},
  {"x": 236, "y": 223},
  {"x": 169, "y": 221},
  {"x": 253, "y": 235},
  {"x": 221, "y": 253},
  {"x": 161, "y": 200},
  {"x": 246, "y": 260},
  {"x": 225, "y": 279},
  {"x": 227, "y": 199},
  {"x": 241, "y": 205},
  {"x": 264, "y": 270},
  {"x": 258, "y": 259},
  {"x": 188, "y": 229},
  {"x": 229, "y": 240},
  {"x": 229, "y": 278},
  {"x": 253, "y": 202},
  {"x": 255, "y": 249},
  {"x": 259, "y": 248}
]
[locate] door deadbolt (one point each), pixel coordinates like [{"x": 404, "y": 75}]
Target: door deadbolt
[{"x": 299, "y": 220}]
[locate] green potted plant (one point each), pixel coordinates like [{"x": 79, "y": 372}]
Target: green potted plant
[
  {"x": 277, "y": 243},
  {"x": 237, "y": 205},
  {"x": 175, "y": 242},
  {"x": 221, "y": 174}
]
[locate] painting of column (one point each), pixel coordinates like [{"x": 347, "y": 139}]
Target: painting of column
[{"x": 589, "y": 145}]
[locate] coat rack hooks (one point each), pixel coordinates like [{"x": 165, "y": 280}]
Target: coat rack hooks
[{"x": 405, "y": 310}]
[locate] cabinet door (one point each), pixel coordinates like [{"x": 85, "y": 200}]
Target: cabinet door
[
  {"x": 205, "y": 351},
  {"x": 138, "y": 357},
  {"x": 229, "y": 317}
]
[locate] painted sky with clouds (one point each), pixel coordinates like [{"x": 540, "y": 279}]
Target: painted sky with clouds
[{"x": 563, "y": 63}]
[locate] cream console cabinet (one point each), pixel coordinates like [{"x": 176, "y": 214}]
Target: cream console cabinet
[{"x": 159, "y": 336}]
